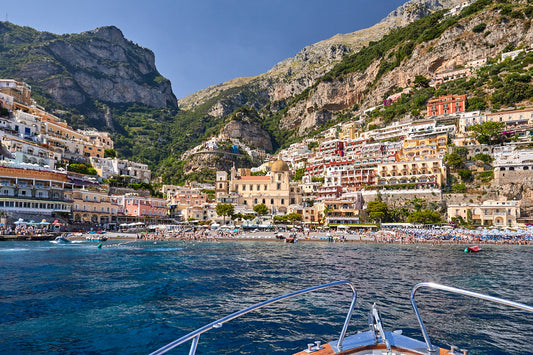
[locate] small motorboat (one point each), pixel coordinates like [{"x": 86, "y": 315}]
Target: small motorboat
[
  {"x": 292, "y": 238},
  {"x": 473, "y": 249},
  {"x": 96, "y": 238},
  {"x": 62, "y": 239},
  {"x": 376, "y": 341}
]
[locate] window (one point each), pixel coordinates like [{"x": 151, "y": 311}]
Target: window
[{"x": 279, "y": 186}]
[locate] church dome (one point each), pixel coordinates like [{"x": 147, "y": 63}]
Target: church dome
[{"x": 279, "y": 166}]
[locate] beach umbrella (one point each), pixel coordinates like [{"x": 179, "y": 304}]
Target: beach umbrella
[
  {"x": 21, "y": 221},
  {"x": 44, "y": 222}
]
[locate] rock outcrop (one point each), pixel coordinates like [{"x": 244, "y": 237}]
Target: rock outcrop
[
  {"x": 78, "y": 68},
  {"x": 245, "y": 125}
]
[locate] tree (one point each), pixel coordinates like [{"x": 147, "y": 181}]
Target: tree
[
  {"x": 418, "y": 203},
  {"x": 488, "y": 132},
  {"x": 377, "y": 211},
  {"x": 459, "y": 188},
  {"x": 426, "y": 216},
  {"x": 110, "y": 153},
  {"x": 466, "y": 175},
  {"x": 225, "y": 209},
  {"x": 455, "y": 161},
  {"x": 421, "y": 81},
  {"x": 294, "y": 217},
  {"x": 485, "y": 158},
  {"x": 261, "y": 209}
]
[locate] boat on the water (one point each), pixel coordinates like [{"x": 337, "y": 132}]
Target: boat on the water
[
  {"x": 292, "y": 238},
  {"x": 96, "y": 238},
  {"x": 62, "y": 239},
  {"x": 473, "y": 249},
  {"x": 376, "y": 341}
]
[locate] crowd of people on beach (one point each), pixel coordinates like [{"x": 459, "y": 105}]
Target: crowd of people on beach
[
  {"x": 22, "y": 229},
  {"x": 400, "y": 235}
]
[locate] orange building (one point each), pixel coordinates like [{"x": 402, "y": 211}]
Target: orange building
[{"x": 446, "y": 104}]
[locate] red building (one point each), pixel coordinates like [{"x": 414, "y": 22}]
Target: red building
[{"x": 446, "y": 104}]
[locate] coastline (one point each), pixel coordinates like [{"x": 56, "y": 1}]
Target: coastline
[
  {"x": 316, "y": 237},
  {"x": 379, "y": 237}
]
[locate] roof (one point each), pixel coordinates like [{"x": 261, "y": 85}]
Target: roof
[{"x": 279, "y": 166}]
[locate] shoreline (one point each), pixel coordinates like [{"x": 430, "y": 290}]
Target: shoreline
[{"x": 313, "y": 238}]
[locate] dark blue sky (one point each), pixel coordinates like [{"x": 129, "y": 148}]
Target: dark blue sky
[{"x": 198, "y": 43}]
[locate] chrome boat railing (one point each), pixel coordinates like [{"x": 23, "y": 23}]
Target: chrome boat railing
[
  {"x": 195, "y": 335},
  {"x": 432, "y": 349}
]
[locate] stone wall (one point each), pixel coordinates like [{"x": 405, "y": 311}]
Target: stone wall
[
  {"x": 396, "y": 197},
  {"x": 517, "y": 175}
]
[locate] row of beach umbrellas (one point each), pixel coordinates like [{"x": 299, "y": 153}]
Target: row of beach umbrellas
[{"x": 44, "y": 222}]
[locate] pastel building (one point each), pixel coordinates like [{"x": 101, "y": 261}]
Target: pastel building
[
  {"x": 446, "y": 104},
  {"x": 34, "y": 191},
  {"x": 25, "y": 152},
  {"x": 142, "y": 206},
  {"x": 93, "y": 206},
  {"x": 274, "y": 190},
  {"x": 489, "y": 213},
  {"x": 185, "y": 197},
  {"x": 421, "y": 174},
  {"x": 345, "y": 212},
  {"x": 108, "y": 167},
  {"x": 21, "y": 92}
]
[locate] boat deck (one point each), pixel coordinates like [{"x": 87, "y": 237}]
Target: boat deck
[{"x": 365, "y": 344}]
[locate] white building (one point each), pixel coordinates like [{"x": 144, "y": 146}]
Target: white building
[{"x": 107, "y": 167}]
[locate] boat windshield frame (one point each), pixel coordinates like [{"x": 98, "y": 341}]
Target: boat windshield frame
[
  {"x": 195, "y": 335},
  {"x": 433, "y": 349}
]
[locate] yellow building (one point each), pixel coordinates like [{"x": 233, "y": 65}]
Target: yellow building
[
  {"x": 92, "y": 206},
  {"x": 420, "y": 174},
  {"x": 495, "y": 213},
  {"x": 274, "y": 190},
  {"x": 424, "y": 148}
]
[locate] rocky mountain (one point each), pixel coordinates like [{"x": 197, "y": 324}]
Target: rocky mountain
[
  {"x": 293, "y": 75},
  {"x": 74, "y": 70},
  {"x": 102, "y": 74}
]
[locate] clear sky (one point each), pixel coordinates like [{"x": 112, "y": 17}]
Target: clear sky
[{"x": 198, "y": 43}]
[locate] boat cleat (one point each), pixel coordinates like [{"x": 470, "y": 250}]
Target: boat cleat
[{"x": 316, "y": 347}]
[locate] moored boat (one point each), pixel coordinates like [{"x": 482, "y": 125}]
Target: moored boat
[
  {"x": 96, "y": 238},
  {"x": 473, "y": 249},
  {"x": 376, "y": 341}
]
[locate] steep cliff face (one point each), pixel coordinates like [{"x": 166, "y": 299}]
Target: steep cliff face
[
  {"x": 249, "y": 132},
  {"x": 455, "y": 47},
  {"x": 78, "y": 68},
  {"x": 293, "y": 75}
]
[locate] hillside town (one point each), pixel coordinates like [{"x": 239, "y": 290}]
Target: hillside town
[{"x": 347, "y": 176}]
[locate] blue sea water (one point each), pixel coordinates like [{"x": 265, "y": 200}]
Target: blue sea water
[{"x": 132, "y": 298}]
